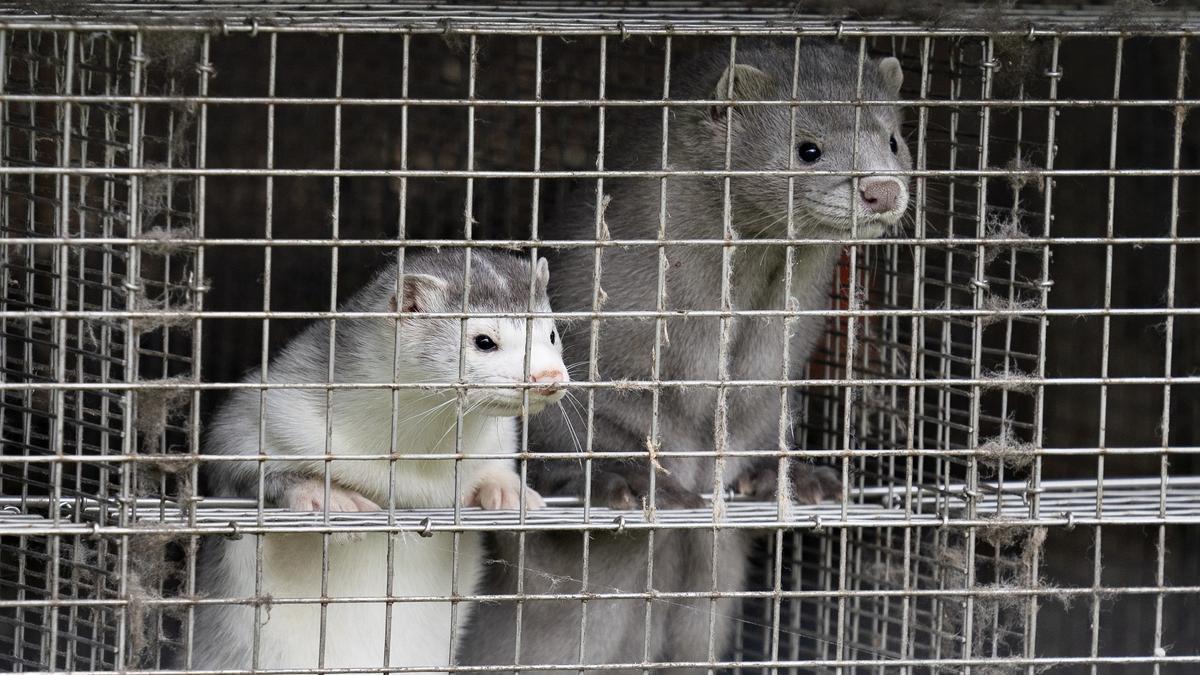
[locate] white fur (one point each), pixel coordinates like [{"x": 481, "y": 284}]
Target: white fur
[{"x": 354, "y": 633}]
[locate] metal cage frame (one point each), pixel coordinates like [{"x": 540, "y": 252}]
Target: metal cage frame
[{"x": 929, "y": 391}]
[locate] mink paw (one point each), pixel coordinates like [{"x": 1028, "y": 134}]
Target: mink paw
[
  {"x": 502, "y": 490},
  {"x": 627, "y": 491},
  {"x": 309, "y": 495},
  {"x": 811, "y": 483}
]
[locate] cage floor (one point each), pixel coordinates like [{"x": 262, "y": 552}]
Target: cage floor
[{"x": 1074, "y": 502}]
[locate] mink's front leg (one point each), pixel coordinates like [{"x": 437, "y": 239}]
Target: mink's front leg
[
  {"x": 811, "y": 483},
  {"x": 623, "y": 485}
]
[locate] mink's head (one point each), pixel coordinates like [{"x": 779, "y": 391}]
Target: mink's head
[
  {"x": 801, "y": 138},
  {"x": 490, "y": 349}
]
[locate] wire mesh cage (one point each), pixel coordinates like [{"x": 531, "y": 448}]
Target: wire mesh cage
[
  {"x": 93, "y": 425},
  {"x": 1002, "y": 384}
]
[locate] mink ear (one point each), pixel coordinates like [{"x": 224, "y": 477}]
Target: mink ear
[
  {"x": 749, "y": 84},
  {"x": 420, "y": 292},
  {"x": 542, "y": 274},
  {"x": 892, "y": 74}
]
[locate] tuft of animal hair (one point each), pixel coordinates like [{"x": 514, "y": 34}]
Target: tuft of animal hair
[
  {"x": 1019, "y": 168},
  {"x": 164, "y": 241},
  {"x": 155, "y": 190},
  {"x": 453, "y": 39},
  {"x": 783, "y": 489},
  {"x": 1010, "y": 379},
  {"x": 1003, "y": 224},
  {"x": 142, "y": 324},
  {"x": 168, "y": 465},
  {"x": 150, "y": 570},
  {"x": 721, "y": 435},
  {"x": 604, "y": 232},
  {"x": 167, "y": 475},
  {"x": 999, "y": 619},
  {"x": 162, "y": 304},
  {"x": 1006, "y": 223},
  {"x": 156, "y": 407},
  {"x": 1006, "y": 448},
  {"x": 626, "y": 385},
  {"x": 175, "y": 52},
  {"x": 719, "y": 501},
  {"x": 997, "y": 303},
  {"x": 159, "y": 472},
  {"x": 1019, "y": 60},
  {"x": 652, "y": 449}
]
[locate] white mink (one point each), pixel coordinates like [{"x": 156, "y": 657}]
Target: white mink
[{"x": 361, "y": 423}]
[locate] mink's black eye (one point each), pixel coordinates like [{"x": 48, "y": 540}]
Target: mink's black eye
[
  {"x": 895, "y": 146},
  {"x": 551, "y": 337},
  {"x": 485, "y": 343},
  {"x": 809, "y": 152}
]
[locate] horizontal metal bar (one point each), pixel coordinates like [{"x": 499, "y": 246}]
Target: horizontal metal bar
[
  {"x": 581, "y": 173},
  {"x": 919, "y": 491},
  {"x": 402, "y": 456},
  {"x": 600, "y": 103},
  {"x": 1073, "y": 312},
  {"x": 998, "y": 382},
  {"x": 873, "y": 663},
  {"x": 952, "y": 593},
  {"x": 333, "y": 25},
  {"x": 190, "y": 241},
  {"x": 1083, "y": 517},
  {"x": 1072, "y": 503}
]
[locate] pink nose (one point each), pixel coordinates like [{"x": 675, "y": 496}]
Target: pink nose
[
  {"x": 552, "y": 377},
  {"x": 880, "y": 195}
]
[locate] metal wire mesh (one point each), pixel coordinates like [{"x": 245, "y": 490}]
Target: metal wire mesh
[
  {"x": 43, "y": 427},
  {"x": 1001, "y": 383}
]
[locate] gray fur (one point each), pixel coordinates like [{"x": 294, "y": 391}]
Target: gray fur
[{"x": 679, "y": 629}]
